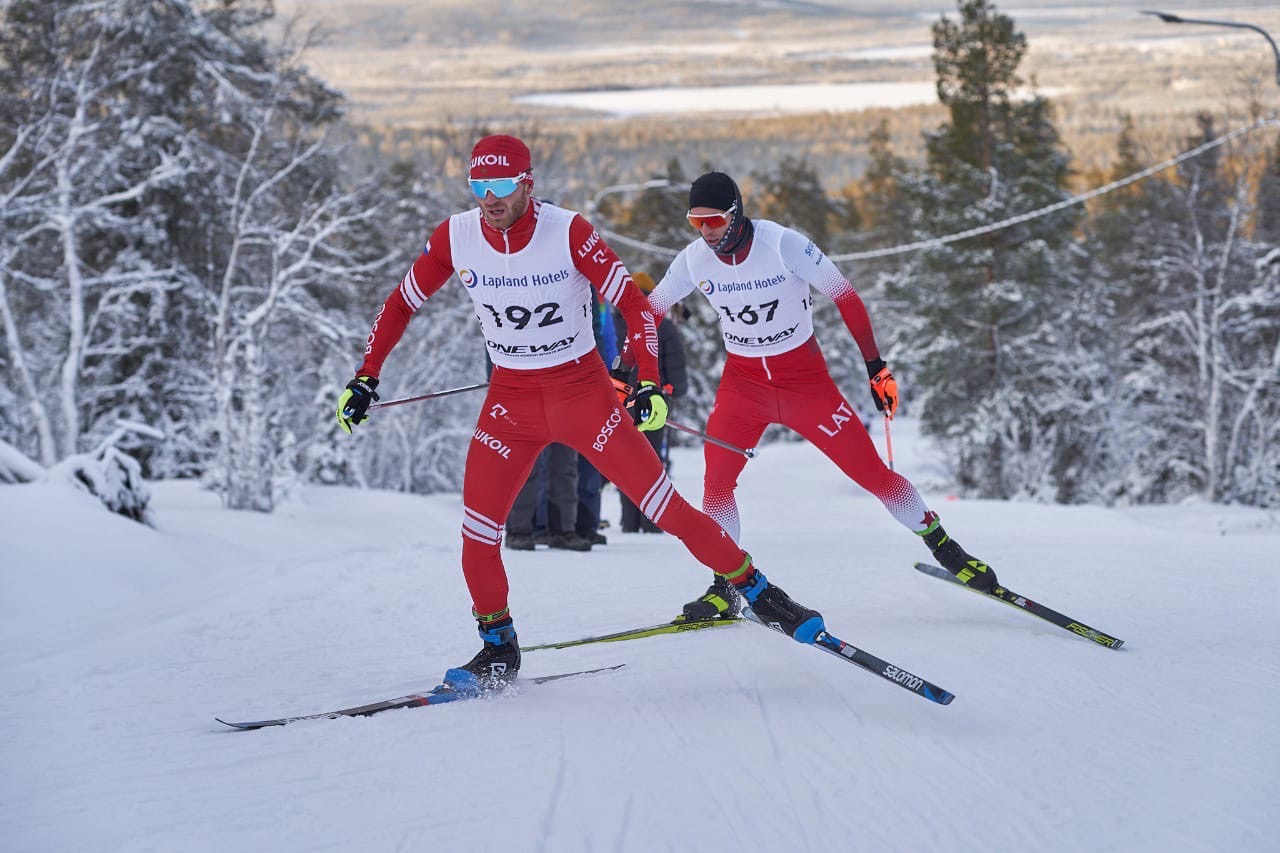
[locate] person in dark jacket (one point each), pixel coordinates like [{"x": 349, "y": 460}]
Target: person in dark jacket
[{"x": 673, "y": 373}]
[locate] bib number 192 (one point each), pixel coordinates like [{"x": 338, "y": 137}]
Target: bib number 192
[{"x": 548, "y": 314}]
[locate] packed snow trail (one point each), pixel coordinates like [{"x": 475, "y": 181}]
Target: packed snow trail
[{"x": 120, "y": 644}]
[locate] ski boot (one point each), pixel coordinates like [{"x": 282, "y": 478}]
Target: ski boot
[
  {"x": 496, "y": 664},
  {"x": 968, "y": 569},
  {"x": 775, "y": 608},
  {"x": 720, "y": 601}
]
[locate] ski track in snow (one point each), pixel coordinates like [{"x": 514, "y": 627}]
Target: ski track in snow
[{"x": 120, "y": 644}]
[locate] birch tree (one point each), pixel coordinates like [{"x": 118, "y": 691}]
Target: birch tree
[
  {"x": 1205, "y": 369},
  {"x": 78, "y": 259},
  {"x": 180, "y": 240},
  {"x": 289, "y": 241}
]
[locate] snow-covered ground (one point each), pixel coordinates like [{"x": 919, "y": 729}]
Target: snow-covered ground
[{"x": 120, "y": 644}]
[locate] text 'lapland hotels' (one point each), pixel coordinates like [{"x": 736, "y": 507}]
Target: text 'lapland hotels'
[
  {"x": 472, "y": 278},
  {"x": 710, "y": 286}
]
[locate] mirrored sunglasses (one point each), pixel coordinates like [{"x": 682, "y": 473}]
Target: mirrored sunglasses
[
  {"x": 715, "y": 220},
  {"x": 500, "y": 187}
]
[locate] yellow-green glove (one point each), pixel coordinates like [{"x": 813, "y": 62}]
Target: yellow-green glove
[
  {"x": 354, "y": 401},
  {"x": 648, "y": 407}
]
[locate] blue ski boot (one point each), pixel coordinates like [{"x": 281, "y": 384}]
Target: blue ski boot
[
  {"x": 775, "y": 608},
  {"x": 497, "y": 663}
]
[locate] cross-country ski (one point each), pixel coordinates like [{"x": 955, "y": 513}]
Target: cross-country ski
[{"x": 439, "y": 695}]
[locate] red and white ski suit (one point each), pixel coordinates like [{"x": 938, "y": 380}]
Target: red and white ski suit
[
  {"x": 531, "y": 287},
  {"x": 774, "y": 371}
]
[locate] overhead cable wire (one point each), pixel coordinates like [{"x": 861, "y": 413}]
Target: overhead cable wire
[{"x": 1004, "y": 223}]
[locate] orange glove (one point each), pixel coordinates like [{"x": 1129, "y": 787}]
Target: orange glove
[{"x": 884, "y": 388}]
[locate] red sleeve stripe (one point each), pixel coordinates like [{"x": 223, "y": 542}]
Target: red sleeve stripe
[
  {"x": 656, "y": 499},
  {"x": 480, "y": 528},
  {"x": 615, "y": 282},
  {"x": 410, "y": 291}
]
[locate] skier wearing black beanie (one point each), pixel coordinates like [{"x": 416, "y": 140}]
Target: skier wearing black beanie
[
  {"x": 759, "y": 276},
  {"x": 718, "y": 191}
]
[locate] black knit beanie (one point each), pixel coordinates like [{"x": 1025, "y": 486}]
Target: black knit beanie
[{"x": 717, "y": 190}]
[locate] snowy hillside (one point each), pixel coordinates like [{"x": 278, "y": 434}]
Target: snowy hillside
[{"x": 121, "y": 643}]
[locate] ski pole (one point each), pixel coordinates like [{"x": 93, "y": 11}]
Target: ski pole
[
  {"x": 431, "y": 396},
  {"x": 750, "y": 453},
  {"x": 888, "y": 441}
]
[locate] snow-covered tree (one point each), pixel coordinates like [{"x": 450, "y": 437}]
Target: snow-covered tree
[
  {"x": 995, "y": 365},
  {"x": 83, "y": 271},
  {"x": 1201, "y": 378},
  {"x": 290, "y": 234},
  {"x": 181, "y": 239},
  {"x": 420, "y": 447}
]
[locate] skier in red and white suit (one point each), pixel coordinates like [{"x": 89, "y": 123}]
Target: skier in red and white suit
[
  {"x": 758, "y": 274},
  {"x": 528, "y": 266}
]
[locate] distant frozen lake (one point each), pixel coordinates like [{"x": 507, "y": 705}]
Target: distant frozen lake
[{"x": 804, "y": 98}]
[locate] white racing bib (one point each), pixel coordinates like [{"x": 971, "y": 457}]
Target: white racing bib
[
  {"x": 764, "y": 308},
  {"x": 534, "y": 306}
]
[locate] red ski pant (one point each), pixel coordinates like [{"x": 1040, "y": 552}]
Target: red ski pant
[
  {"x": 573, "y": 404},
  {"x": 795, "y": 389}
]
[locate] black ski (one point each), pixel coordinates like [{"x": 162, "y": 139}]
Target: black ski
[
  {"x": 833, "y": 645},
  {"x": 1021, "y": 602},
  {"x": 435, "y": 696},
  {"x": 675, "y": 626}
]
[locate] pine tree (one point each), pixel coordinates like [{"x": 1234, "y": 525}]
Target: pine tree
[
  {"x": 794, "y": 196},
  {"x": 886, "y": 212},
  {"x": 991, "y": 342}
]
